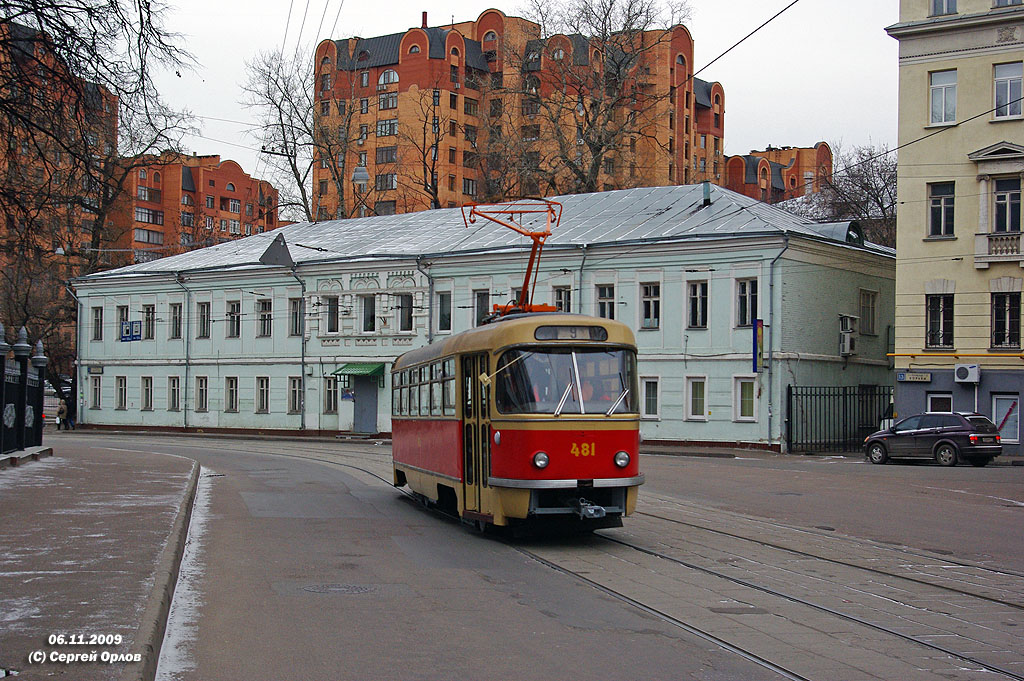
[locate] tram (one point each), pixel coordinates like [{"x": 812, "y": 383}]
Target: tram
[{"x": 530, "y": 419}]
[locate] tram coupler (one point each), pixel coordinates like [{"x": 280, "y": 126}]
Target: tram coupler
[{"x": 586, "y": 510}]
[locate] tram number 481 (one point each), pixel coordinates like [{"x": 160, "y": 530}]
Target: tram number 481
[{"x": 583, "y": 449}]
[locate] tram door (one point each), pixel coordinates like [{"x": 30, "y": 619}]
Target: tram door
[{"x": 475, "y": 430}]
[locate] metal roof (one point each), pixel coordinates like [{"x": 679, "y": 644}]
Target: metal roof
[{"x": 647, "y": 214}]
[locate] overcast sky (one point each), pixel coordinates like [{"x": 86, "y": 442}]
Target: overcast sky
[{"x": 823, "y": 70}]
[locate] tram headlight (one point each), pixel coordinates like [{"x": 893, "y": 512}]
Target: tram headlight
[
  {"x": 622, "y": 459},
  {"x": 540, "y": 460},
  {"x": 497, "y": 437}
]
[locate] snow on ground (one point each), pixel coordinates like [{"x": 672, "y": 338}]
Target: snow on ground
[{"x": 182, "y": 621}]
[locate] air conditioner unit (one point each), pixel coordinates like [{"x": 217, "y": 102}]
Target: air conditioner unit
[
  {"x": 967, "y": 373},
  {"x": 848, "y": 323},
  {"x": 847, "y": 343},
  {"x": 458, "y": 85},
  {"x": 361, "y": 141}
]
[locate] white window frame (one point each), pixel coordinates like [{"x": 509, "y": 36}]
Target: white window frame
[
  {"x": 121, "y": 392},
  {"x": 233, "y": 308},
  {"x": 997, "y": 417},
  {"x": 644, "y": 415},
  {"x": 440, "y": 310},
  {"x": 605, "y": 303},
  {"x": 231, "y": 394},
  {"x": 332, "y": 313},
  {"x": 203, "y": 320},
  {"x": 752, "y": 310},
  {"x": 943, "y": 90},
  {"x": 264, "y": 317},
  {"x": 330, "y": 394},
  {"x": 97, "y": 392},
  {"x": 702, "y": 316},
  {"x": 202, "y": 393},
  {"x": 655, "y": 305},
  {"x": 737, "y": 381},
  {"x": 147, "y": 393},
  {"x": 562, "y": 298},
  {"x": 97, "y": 323},
  {"x": 688, "y": 407},
  {"x": 296, "y": 316},
  {"x": 261, "y": 403},
  {"x": 869, "y": 321},
  {"x": 1014, "y": 105},
  {"x": 940, "y": 396},
  {"x": 404, "y": 311},
  {"x": 173, "y": 393},
  {"x": 149, "y": 322},
  {"x": 368, "y": 303},
  {"x": 295, "y": 395},
  {"x": 174, "y": 332}
]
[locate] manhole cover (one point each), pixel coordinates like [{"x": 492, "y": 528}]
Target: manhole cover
[{"x": 338, "y": 588}]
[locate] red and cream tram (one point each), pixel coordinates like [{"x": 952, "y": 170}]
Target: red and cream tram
[{"x": 531, "y": 418}]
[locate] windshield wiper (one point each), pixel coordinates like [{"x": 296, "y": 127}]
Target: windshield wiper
[
  {"x": 615, "y": 405},
  {"x": 565, "y": 396}
]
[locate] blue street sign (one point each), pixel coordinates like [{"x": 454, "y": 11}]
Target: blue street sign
[{"x": 131, "y": 331}]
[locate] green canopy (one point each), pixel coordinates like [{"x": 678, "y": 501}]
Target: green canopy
[{"x": 360, "y": 369}]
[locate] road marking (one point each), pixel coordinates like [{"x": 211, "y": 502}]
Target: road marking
[{"x": 975, "y": 494}]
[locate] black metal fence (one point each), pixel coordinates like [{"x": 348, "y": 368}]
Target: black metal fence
[
  {"x": 21, "y": 393},
  {"x": 833, "y": 418}
]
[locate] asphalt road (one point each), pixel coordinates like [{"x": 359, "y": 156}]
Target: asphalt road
[
  {"x": 971, "y": 513},
  {"x": 305, "y": 564},
  {"x": 310, "y": 570}
]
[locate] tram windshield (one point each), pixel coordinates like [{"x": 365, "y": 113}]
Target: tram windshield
[{"x": 553, "y": 380}]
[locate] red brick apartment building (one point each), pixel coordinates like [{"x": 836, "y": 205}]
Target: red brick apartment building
[
  {"x": 180, "y": 202},
  {"x": 487, "y": 110},
  {"x": 58, "y": 130},
  {"x": 780, "y": 173}
]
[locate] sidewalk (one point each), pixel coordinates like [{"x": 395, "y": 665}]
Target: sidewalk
[{"x": 90, "y": 542}]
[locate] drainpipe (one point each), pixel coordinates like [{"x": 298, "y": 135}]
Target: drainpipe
[
  {"x": 771, "y": 332},
  {"x": 302, "y": 412},
  {"x": 583, "y": 261},
  {"x": 178, "y": 279},
  {"x": 430, "y": 293}
]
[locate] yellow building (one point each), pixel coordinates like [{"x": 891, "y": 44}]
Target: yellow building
[{"x": 959, "y": 258}]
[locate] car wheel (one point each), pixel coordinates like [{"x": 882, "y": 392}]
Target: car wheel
[
  {"x": 980, "y": 462},
  {"x": 946, "y": 455},
  {"x": 877, "y": 453}
]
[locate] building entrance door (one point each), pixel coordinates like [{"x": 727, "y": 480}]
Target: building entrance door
[{"x": 364, "y": 415}]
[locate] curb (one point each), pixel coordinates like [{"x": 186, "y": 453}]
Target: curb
[
  {"x": 17, "y": 458},
  {"x": 153, "y": 623}
]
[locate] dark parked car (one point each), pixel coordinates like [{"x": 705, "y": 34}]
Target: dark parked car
[{"x": 946, "y": 438}]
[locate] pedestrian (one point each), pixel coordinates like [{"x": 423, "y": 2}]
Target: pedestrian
[
  {"x": 62, "y": 415},
  {"x": 72, "y": 411}
]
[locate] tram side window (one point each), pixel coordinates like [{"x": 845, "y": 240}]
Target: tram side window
[
  {"x": 448, "y": 383},
  {"x": 424, "y": 391},
  {"x": 414, "y": 393},
  {"x": 396, "y": 395},
  {"x": 435, "y": 389}
]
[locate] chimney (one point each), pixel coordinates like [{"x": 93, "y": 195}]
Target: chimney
[
  {"x": 707, "y": 194},
  {"x": 424, "y": 20}
]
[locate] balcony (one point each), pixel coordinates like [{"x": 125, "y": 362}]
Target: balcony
[{"x": 997, "y": 247}]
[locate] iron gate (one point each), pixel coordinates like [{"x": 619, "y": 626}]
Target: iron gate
[{"x": 833, "y": 418}]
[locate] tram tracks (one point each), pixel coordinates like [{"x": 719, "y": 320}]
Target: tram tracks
[{"x": 658, "y": 561}]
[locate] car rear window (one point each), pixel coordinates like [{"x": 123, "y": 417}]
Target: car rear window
[{"x": 982, "y": 424}]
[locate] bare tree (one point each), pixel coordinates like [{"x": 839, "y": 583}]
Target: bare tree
[
  {"x": 592, "y": 97},
  {"x": 304, "y": 126},
  {"x": 862, "y": 187},
  {"x": 76, "y": 94},
  {"x": 421, "y": 139}
]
